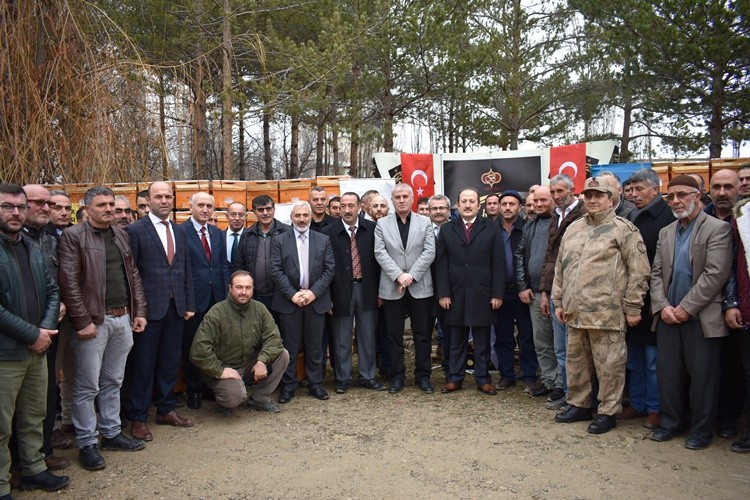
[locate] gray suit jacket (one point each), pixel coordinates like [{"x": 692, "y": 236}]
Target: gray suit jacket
[
  {"x": 286, "y": 273},
  {"x": 711, "y": 259},
  {"x": 415, "y": 259}
]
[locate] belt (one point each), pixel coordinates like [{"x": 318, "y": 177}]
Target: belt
[
  {"x": 356, "y": 280},
  {"x": 117, "y": 311}
]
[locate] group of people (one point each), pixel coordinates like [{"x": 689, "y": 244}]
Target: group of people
[{"x": 589, "y": 288}]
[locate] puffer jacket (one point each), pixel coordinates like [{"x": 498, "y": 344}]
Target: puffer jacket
[
  {"x": 247, "y": 250},
  {"x": 15, "y": 332}
]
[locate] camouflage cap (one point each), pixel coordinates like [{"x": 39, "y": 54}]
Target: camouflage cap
[{"x": 600, "y": 184}]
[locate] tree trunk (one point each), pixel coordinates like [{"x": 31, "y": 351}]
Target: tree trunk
[
  {"x": 200, "y": 129},
  {"x": 320, "y": 141},
  {"x": 627, "y": 121},
  {"x": 294, "y": 147},
  {"x": 267, "y": 159},
  {"x": 716, "y": 122},
  {"x": 388, "y": 121},
  {"x": 335, "y": 140},
  {"x": 241, "y": 127},
  {"x": 163, "y": 130},
  {"x": 354, "y": 146},
  {"x": 226, "y": 95}
]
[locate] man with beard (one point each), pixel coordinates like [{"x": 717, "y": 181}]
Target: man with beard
[
  {"x": 744, "y": 175},
  {"x": 302, "y": 266},
  {"x": 141, "y": 204},
  {"x": 690, "y": 268},
  {"x": 29, "y": 310},
  {"x": 378, "y": 207},
  {"x": 123, "y": 213},
  {"x": 319, "y": 204}
]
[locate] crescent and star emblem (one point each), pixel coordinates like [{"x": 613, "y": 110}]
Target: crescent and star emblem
[
  {"x": 569, "y": 164},
  {"x": 422, "y": 174}
]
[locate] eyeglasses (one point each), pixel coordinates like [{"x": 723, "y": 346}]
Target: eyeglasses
[
  {"x": 434, "y": 209},
  {"x": 8, "y": 208},
  {"x": 680, "y": 195},
  {"x": 40, "y": 203},
  {"x": 263, "y": 209}
]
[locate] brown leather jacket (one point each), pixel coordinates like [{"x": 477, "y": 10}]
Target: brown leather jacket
[{"x": 82, "y": 275}]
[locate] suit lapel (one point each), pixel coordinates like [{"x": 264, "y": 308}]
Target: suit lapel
[
  {"x": 669, "y": 251},
  {"x": 151, "y": 230},
  {"x": 195, "y": 240}
]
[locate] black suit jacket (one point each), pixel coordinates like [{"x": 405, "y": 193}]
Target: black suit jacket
[
  {"x": 160, "y": 280},
  {"x": 470, "y": 273},
  {"x": 210, "y": 279},
  {"x": 341, "y": 286},
  {"x": 286, "y": 273}
]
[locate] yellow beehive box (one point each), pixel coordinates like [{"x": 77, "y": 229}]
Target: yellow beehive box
[
  {"x": 294, "y": 189},
  {"x": 227, "y": 192},
  {"x": 257, "y": 188}
]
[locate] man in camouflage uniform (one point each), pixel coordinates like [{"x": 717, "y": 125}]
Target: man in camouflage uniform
[{"x": 601, "y": 277}]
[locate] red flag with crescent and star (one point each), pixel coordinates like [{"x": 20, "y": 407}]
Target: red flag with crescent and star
[
  {"x": 569, "y": 160},
  {"x": 417, "y": 171}
]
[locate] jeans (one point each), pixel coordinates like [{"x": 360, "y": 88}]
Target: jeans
[
  {"x": 515, "y": 313},
  {"x": 644, "y": 384},
  {"x": 544, "y": 343},
  {"x": 560, "y": 332},
  {"x": 100, "y": 368}
]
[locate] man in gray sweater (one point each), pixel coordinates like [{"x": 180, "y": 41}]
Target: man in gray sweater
[{"x": 528, "y": 261}]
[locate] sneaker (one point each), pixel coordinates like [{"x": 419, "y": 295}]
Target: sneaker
[
  {"x": 269, "y": 407},
  {"x": 90, "y": 458},
  {"x": 557, "y": 404},
  {"x": 556, "y": 394},
  {"x": 45, "y": 480},
  {"x": 121, "y": 442},
  {"x": 540, "y": 391}
]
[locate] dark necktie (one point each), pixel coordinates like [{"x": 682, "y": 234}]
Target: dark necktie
[
  {"x": 467, "y": 231},
  {"x": 170, "y": 243},
  {"x": 356, "y": 263},
  {"x": 204, "y": 241},
  {"x": 235, "y": 244}
]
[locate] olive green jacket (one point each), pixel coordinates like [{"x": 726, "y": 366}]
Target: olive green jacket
[{"x": 231, "y": 335}]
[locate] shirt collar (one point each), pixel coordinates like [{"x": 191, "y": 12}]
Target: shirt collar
[
  {"x": 355, "y": 225},
  {"x": 155, "y": 220},
  {"x": 197, "y": 225}
]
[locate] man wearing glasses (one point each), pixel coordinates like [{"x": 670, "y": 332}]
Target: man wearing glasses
[
  {"x": 29, "y": 309},
  {"x": 692, "y": 263},
  {"x": 254, "y": 252}
]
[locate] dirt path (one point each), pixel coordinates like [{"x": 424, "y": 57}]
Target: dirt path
[{"x": 374, "y": 445}]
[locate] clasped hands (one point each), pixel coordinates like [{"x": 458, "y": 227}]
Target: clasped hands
[{"x": 303, "y": 298}]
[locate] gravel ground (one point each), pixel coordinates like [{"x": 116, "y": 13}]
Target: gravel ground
[{"x": 367, "y": 444}]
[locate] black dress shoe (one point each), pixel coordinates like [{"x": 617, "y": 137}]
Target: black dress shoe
[
  {"x": 697, "y": 443},
  {"x": 194, "y": 400},
  {"x": 726, "y": 430},
  {"x": 425, "y": 386},
  {"x": 285, "y": 397},
  {"x": 90, "y": 458},
  {"x": 602, "y": 424},
  {"x": 742, "y": 446},
  {"x": 573, "y": 414},
  {"x": 371, "y": 384},
  {"x": 341, "y": 387},
  {"x": 318, "y": 392},
  {"x": 121, "y": 442},
  {"x": 396, "y": 386},
  {"x": 45, "y": 480},
  {"x": 661, "y": 435},
  {"x": 540, "y": 391}
]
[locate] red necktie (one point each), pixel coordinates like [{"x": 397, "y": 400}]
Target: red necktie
[
  {"x": 356, "y": 263},
  {"x": 204, "y": 240},
  {"x": 170, "y": 243},
  {"x": 467, "y": 231}
]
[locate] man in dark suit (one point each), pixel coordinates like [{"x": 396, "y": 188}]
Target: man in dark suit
[
  {"x": 160, "y": 251},
  {"x": 651, "y": 215},
  {"x": 692, "y": 263},
  {"x": 302, "y": 267},
  {"x": 355, "y": 294},
  {"x": 236, "y": 222},
  {"x": 470, "y": 264},
  {"x": 405, "y": 248},
  {"x": 210, "y": 270}
]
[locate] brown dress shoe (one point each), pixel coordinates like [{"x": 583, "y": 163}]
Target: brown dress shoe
[
  {"x": 68, "y": 429},
  {"x": 629, "y": 413},
  {"x": 139, "y": 430},
  {"x": 173, "y": 418},
  {"x": 55, "y": 462},
  {"x": 652, "y": 420},
  {"x": 450, "y": 387},
  {"x": 488, "y": 389},
  {"x": 60, "y": 440}
]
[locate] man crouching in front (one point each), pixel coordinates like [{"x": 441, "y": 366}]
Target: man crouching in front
[{"x": 239, "y": 343}]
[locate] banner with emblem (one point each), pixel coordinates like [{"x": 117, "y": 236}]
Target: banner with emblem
[
  {"x": 418, "y": 171},
  {"x": 569, "y": 160},
  {"x": 491, "y": 175}
]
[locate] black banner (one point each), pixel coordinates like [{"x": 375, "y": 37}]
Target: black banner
[{"x": 492, "y": 175}]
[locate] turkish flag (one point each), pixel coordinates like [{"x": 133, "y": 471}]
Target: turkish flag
[
  {"x": 569, "y": 160},
  {"x": 417, "y": 171}
]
